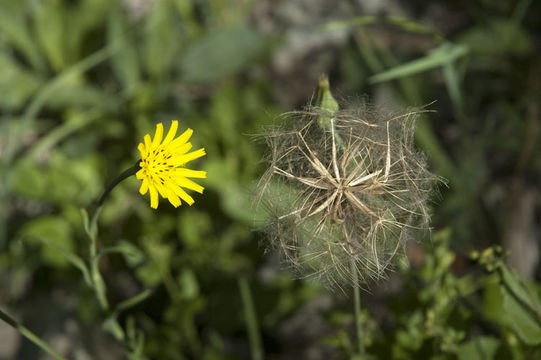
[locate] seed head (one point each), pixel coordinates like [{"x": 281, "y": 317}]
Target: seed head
[{"x": 345, "y": 190}]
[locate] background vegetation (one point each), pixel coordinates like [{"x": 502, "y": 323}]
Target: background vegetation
[{"x": 82, "y": 81}]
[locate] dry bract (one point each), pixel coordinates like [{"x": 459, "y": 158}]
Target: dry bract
[{"x": 344, "y": 191}]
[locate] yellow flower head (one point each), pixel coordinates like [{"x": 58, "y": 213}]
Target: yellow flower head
[{"x": 162, "y": 166}]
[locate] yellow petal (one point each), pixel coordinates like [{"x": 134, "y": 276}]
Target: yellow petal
[
  {"x": 189, "y": 173},
  {"x": 140, "y": 174},
  {"x": 153, "y": 197},
  {"x": 188, "y": 184},
  {"x": 142, "y": 151},
  {"x": 171, "y": 133},
  {"x": 161, "y": 189},
  {"x": 172, "y": 197},
  {"x": 182, "y": 138},
  {"x": 144, "y": 187},
  {"x": 148, "y": 144},
  {"x": 181, "y": 150},
  {"x": 190, "y": 156},
  {"x": 183, "y": 195},
  {"x": 158, "y": 136}
]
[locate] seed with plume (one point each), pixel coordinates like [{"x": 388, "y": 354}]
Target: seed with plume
[{"x": 345, "y": 190}]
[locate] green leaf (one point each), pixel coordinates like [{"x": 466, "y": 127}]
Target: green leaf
[
  {"x": 131, "y": 302},
  {"x": 481, "y": 348},
  {"x": 236, "y": 196},
  {"x": 440, "y": 56},
  {"x": 74, "y": 122},
  {"x": 193, "y": 227},
  {"x": 525, "y": 293},
  {"x": 74, "y": 260},
  {"x": 413, "y": 26},
  {"x": 93, "y": 230},
  {"x": 521, "y": 305},
  {"x": 112, "y": 326},
  {"x": 404, "y": 23},
  {"x": 131, "y": 253},
  {"x": 86, "y": 222},
  {"x": 55, "y": 233},
  {"x": 14, "y": 28},
  {"x": 48, "y": 90},
  {"x": 497, "y": 37},
  {"x": 221, "y": 53},
  {"x": 49, "y": 21},
  {"x": 76, "y": 93},
  {"x": 158, "y": 263},
  {"x": 162, "y": 39},
  {"x": 89, "y": 15},
  {"x": 124, "y": 61},
  {"x": 61, "y": 180},
  {"x": 356, "y": 21},
  {"x": 191, "y": 25},
  {"x": 521, "y": 321},
  {"x": 99, "y": 284},
  {"x": 493, "y": 300},
  {"x": 135, "y": 339},
  {"x": 27, "y": 180},
  {"x": 189, "y": 287},
  {"x": 16, "y": 84}
]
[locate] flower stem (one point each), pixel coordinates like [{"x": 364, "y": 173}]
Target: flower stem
[
  {"x": 98, "y": 284},
  {"x": 30, "y": 335},
  {"x": 357, "y": 307},
  {"x": 125, "y": 174},
  {"x": 251, "y": 319},
  {"x": 91, "y": 228}
]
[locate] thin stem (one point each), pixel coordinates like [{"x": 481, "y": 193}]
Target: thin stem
[
  {"x": 324, "y": 89},
  {"x": 357, "y": 307},
  {"x": 30, "y": 335},
  {"x": 97, "y": 280},
  {"x": 251, "y": 319},
  {"x": 126, "y": 174},
  {"x": 92, "y": 231}
]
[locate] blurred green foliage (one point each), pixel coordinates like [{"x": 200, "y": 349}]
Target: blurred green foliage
[{"x": 82, "y": 82}]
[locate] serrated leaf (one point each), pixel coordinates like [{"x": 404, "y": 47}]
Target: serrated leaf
[{"x": 221, "y": 53}]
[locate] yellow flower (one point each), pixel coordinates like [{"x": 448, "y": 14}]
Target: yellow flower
[{"x": 162, "y": 166}]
